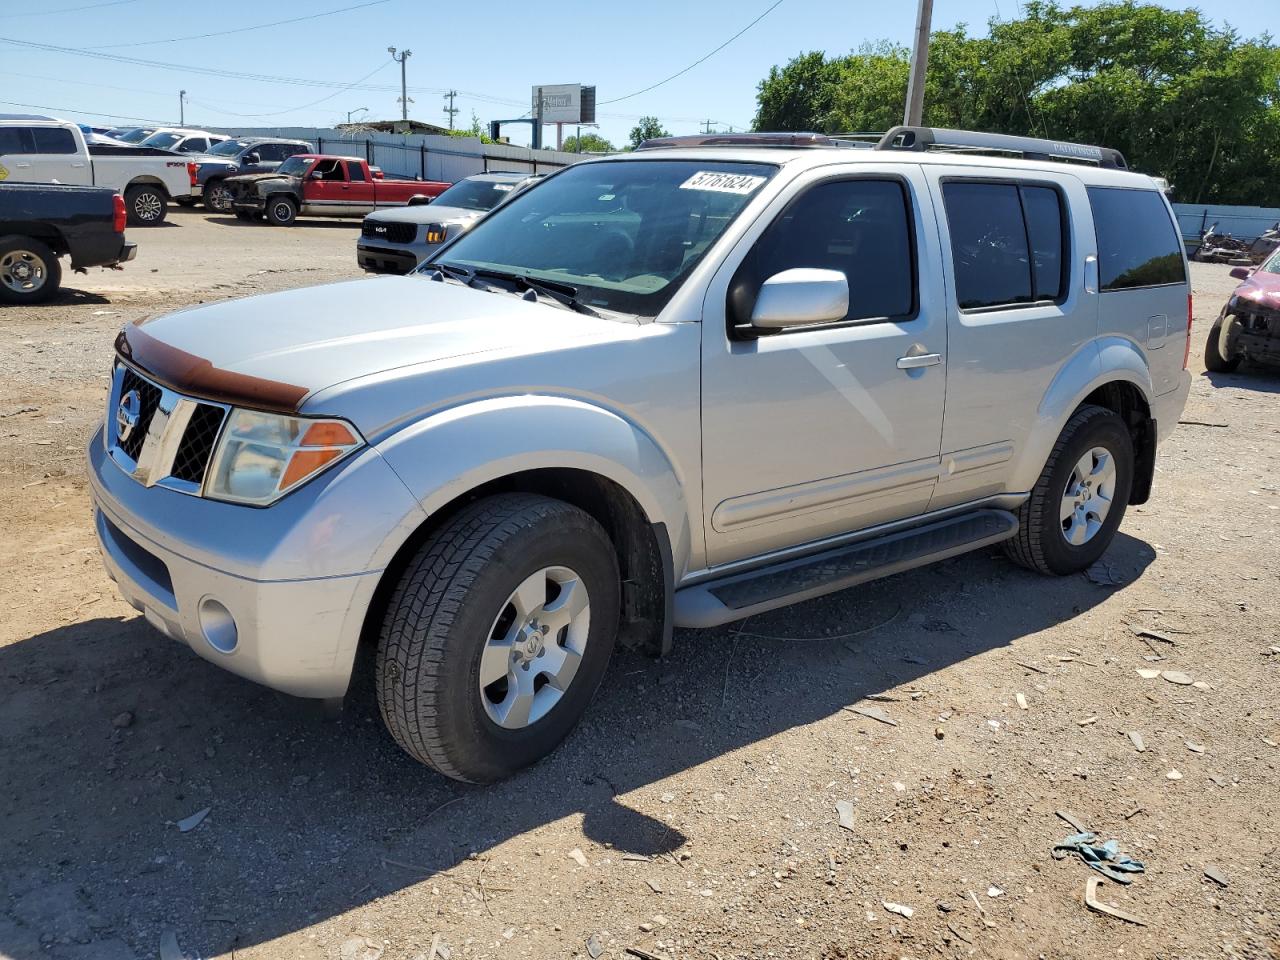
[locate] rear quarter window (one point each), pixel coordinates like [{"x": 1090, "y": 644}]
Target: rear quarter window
[{"x": 1138, "y": 245}]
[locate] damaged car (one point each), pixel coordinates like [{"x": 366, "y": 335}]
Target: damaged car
[{"x": 1249, "y": 326}]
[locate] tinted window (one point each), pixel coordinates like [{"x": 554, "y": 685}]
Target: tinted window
[
  {"x": 988, "y": 244},
  {"x": 15, "y": 140},
  {"x": 859, "y": 227},
  {"x": 1043, "y": 210},
  {"x": 194, "y": 145},
  {"x": 355, "y": 171},
  {"x": 1138, "y": 245},
  {"x": 53, "y": 140}
]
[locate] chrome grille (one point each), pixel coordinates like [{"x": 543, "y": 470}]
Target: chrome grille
[
  {"x": 390, "y": 232},
  {"x": 158, "y": 436}
]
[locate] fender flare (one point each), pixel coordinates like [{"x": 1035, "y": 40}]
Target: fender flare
[
  {"x": 146, "y": 180},
  {"x": 448, "y": 454},
  {"x": 1094, "y": 365}
]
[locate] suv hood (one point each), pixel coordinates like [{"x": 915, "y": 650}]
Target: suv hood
[
  {"x": 1261, "y": 287},
  {"x": 276, "y": 350},
  {"x": 424, "y": 213}
]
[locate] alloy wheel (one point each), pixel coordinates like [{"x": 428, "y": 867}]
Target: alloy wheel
[{"x": 1087, "y": 499}]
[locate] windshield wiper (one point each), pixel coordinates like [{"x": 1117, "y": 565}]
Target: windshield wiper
[
  {"x": 461, "y": 274},
  {"x": 565, "y": 294}
]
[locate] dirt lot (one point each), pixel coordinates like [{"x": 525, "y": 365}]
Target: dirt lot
[{"x": 694, "y": 813}]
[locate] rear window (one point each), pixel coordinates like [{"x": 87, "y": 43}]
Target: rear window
[{"x": 1138, "y": 245}]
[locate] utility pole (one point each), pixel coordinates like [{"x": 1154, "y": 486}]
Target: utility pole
[
  {"x": 404, "y": 90},
  {"x": 356, "y": 110},
  {"x": 706, "y": 125},
  {"x": 914, "y": 114},
  {"x": 182, "y": 108},
  {"x": 450, "y": 110}
]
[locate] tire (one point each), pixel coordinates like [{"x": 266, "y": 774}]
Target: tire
[
  {"x": 282, "y": 211},
  {"x": 455, "y": 608},
  {"x": 1042, "y": 542},
  {"x": 29, "y": 271},
  {"x": 216, "y": 197},
  {"x": 147, "y": 205},
  {"x": 1214, "y": 361}
]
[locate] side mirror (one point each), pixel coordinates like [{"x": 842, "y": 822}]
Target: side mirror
[
  {"x": 250, "y": 158},
  {"x": 1240, "y": 273},
  {"x": 799, "y": 298}
]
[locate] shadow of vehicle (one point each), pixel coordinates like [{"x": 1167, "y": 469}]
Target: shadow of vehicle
[
  {"x": 328, "y": 223},
  {"x": 112, "y": 733},
  {"x": 69, "y": 297},
  {"x": 1258, "y": 377}
]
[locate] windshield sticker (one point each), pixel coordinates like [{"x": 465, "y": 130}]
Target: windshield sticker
[
  {"x": 718, "y": 182},
  {"x": 503, "y": 187}
]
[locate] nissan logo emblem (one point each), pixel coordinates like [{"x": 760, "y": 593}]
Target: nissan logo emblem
[{"x": 127, "y": 414}]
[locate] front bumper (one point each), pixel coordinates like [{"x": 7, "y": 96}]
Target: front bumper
[
  {"x": 249, "y": 204},
  {"x": 385, "y": 259},
  {"x": 190, "y": 564}
]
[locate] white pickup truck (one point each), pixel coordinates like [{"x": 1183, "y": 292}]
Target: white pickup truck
[{"x": 37, "y": 149}]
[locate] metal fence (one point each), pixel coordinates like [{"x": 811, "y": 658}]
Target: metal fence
[
  {"x": 1243, "y": 223},
  {"x": 422, "y": 156}
]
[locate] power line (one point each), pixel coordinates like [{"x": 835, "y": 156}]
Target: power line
[
  {"x": 223, "y": 33},
  {"x": 695, "y": 63},
  {"x": 90, "y": 6},
  {"x": 276, "y": 113},
  {"x": 83, "y": 113}
]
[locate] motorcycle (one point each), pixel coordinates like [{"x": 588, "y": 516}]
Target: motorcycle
[{"x": 1218, "y": 247}]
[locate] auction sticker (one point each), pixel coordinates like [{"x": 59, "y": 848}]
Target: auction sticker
[
  {"x": 719, "y": 182},
  {"x": 4, "y": 172}
]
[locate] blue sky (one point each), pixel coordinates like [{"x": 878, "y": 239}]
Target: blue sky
[{"x": 491, "y": 53}]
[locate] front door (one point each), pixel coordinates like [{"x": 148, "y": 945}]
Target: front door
[
  {"x": 815, "y": 432},
  {"x": 362, "y": 193}
]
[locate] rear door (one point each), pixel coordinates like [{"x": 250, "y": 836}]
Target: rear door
[{"x": 1018, "y": 245}]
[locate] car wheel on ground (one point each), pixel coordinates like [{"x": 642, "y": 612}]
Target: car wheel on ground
[
  {"x": 217, "y": 197},
  {"x": 29, "y": 271},
  {"x": 146, "y": 205},
  {"x": 1077, "y": 504},
  {"x": 282, "y": 211},
  {"x": 497, "y": 636},
  {"x": 1214, "y": 361}
]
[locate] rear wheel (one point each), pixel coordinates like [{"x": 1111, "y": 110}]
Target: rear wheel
[
  {"x": 1214, "y": 361},
  {"x": 146, "y": 205},
  {"x": 282, "y": 211},
  {"x": 1077, "y": 504},
  {"x": 497, "y": 636},
  {"x": 29, "y": 271}
]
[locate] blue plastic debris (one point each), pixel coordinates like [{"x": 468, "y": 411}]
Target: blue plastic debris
[{"x": 1106, "y": 858}]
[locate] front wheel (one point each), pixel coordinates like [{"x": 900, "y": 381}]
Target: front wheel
[
  {"x": 217, "y": 196},
  {"x": 1077, "y": 504},
  {"x": 1214, "y": 361},
  {"x": 282, "y": 211},
  {"x": 29, "y": 271},
  {"x": 497, "y": 636},
  {"x": 146, "y": 205}
]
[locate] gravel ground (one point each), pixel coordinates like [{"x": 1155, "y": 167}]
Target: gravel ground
[{"x": 694, "y": 813}]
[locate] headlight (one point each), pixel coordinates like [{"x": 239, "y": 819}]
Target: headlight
[
  {"x": 262, "y": 456},
  {"x": 436, "y": 232}
]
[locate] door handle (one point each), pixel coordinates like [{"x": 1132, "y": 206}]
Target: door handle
[{"x": 915, "y": 362}]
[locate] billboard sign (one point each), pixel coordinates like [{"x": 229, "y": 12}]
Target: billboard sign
[{"x": 565, "y": 103}]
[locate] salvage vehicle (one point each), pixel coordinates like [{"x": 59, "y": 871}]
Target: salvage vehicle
[
  {"x": 244, "y": 155},
  {"x": 131, "y": 134},
  {"x": 41, "y": 222},
  {"x": 398, "y": 240},
  {"x": 1248, "y": 328},
  {"x": 318, "y": 185},
  {"x": 36, "y": 149},
  {"x": 675, "y": 388}
]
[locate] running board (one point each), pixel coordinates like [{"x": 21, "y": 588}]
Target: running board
[{"x": 717, "y": 602}]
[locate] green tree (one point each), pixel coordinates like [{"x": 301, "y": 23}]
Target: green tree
[
  {"x": 588, "y": 143},
  {"x": 647, "y": 129},
  {"x": 798, "y": 96}
]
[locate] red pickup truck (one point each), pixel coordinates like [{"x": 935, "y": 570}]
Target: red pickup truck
[{"x": 318, "y": 185}]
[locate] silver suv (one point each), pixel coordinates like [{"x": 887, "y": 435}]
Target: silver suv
[
  {"x": 399, "y": 239},
  {"x": 670, "y": 389}
]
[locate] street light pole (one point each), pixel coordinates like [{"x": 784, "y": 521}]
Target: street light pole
[
  {"x": 356, "y": 110},
  {"x": 914, "y": 113},
  {"x": 182, "y": 108},
  {"x": 404, "y": 90}
]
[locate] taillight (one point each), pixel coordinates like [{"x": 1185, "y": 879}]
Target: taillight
[
  {"x": 120, "y": 217},
  {"x": 1186, "y": 353},
  {"x": 191, "y": 172}
]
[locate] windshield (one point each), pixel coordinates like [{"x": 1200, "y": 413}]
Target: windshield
[
  {"x": 625, "y": 233},
  {"x": 162, "y": 141},
  {"x": 475, "y": 194},
  {"x": 228, "y": 148},
  {"x": 137, "y": 135},
  {"x": 293, "y": 167},
  {"x": 1272, "y": 264}
]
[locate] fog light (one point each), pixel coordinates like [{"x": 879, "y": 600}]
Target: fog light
[{"x": 218, "y": 626}]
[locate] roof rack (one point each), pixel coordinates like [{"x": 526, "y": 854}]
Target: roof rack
[
  {"x": 791, "y": 140},
  {"x": 1030, "y": 148}
]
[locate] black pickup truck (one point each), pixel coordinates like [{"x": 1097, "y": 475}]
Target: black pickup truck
[{"x": 41, "y": 222}]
